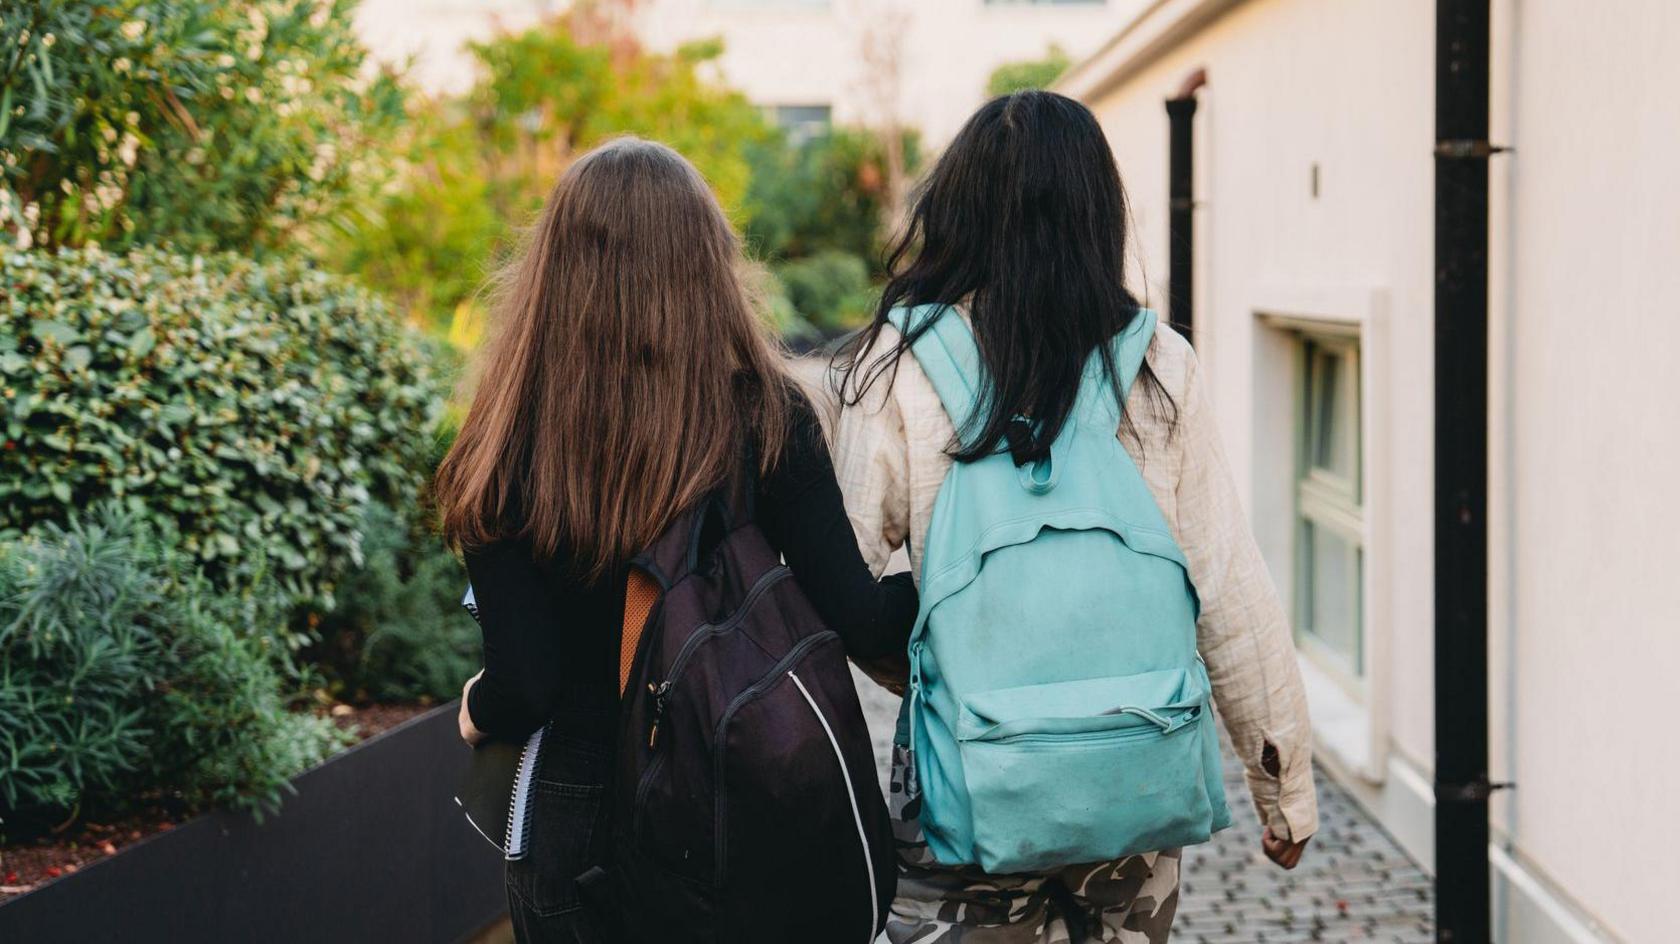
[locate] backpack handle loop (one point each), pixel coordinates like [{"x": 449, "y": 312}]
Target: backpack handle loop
[{"x": 1039, "y": 476}]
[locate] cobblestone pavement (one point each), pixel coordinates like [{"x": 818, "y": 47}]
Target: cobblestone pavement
[{"x": 1353, "y": 883}]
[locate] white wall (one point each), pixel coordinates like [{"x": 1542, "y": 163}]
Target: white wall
[
  {"x": 1590, "y": 341},
  {"x": 1586, "y": 395}
]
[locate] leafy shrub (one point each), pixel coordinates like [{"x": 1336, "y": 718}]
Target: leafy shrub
[
  {"x": 225, "y": 736},
  {"x": 829, "y": 289},
  {"x": 256, "y": 408},
  {"x": 830, "y": 192},
  {"x": 398, "y": 632},
  {"x": 1029, "y": 74},
  {"x": 200, "y": 124},
  {"x": 125, "y": 677}
]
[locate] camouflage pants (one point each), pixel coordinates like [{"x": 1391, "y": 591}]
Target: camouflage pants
[{"x": 1130, "y": 901}]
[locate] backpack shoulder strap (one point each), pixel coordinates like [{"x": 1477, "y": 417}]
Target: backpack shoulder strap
[
  {"x": 1131, "y": 346},
  {"x": 1128, "y": 348},
  {"x": 948, "y": 355}
]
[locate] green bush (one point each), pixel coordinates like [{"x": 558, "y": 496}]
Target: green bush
[
  {"x": 255, "y": 408},
  {"x": 398, "y": 632},
  {"x": 126, "y": 678},
  {"x": 198, "y": 124},
  {"x": 829, "y": 289},
  {"x": 829, "y": 193},
  {"x": 1029, "y": 74}
]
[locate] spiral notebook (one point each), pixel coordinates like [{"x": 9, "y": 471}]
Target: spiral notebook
[{"x": 496, "y": 792}]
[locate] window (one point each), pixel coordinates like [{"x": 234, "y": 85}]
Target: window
[
  {"x": 800, "y": 122},
  {"x": 1329, "y": 544}
]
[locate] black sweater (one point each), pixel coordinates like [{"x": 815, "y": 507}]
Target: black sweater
[{"x": 551, "y": 641}]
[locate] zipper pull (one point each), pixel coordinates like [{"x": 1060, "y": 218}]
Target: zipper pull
[{"x": 661, "y": 695}]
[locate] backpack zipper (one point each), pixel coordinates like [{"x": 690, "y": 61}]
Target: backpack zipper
[
  {"x": 857, "y": 814},
  {"x": 1139, "y": 733},
  {"x": 662, "y": 691}
]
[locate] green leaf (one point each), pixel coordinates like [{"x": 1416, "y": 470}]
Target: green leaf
[
  {"x": 78, "y": 357},
  {"x": 56, "y": 331},
  {"x": 141, "y": 342}
]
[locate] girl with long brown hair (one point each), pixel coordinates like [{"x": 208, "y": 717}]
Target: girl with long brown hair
[{"x": 629, "y": 377}]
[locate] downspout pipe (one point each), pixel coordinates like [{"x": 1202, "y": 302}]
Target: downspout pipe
[
  {"x": 1462, "y": 52},
  {"x": 1181, "y": 203}
]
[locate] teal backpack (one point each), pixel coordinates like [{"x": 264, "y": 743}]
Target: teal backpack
[{"x": 1058, "y": 710}]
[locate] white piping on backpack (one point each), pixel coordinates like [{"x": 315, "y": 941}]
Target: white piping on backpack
[{"x": 857, "y": 816}]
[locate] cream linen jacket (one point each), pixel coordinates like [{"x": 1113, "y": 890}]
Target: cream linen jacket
[{"x": 890, "y": 457}]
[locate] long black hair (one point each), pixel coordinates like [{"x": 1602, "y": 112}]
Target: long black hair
[{"x": 1024, "y": 220}]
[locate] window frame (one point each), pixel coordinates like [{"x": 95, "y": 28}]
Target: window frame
[
  {"x": 1330, "y": 501},
  {"x": 800, "y": 131}
]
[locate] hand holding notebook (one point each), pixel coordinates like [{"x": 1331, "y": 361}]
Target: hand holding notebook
[{"x": 495, "y": 794}]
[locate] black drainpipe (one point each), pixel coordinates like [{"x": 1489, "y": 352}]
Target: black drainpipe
[
  {"x": 1461, "y": 471},
  {"x": 1181, "y": 201}
]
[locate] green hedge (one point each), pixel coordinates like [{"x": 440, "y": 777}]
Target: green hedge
[
  {"x": 829, "y": 289},
  {"x": 257, "y": 409},
  {"x": 398, "y": 632},
  {"x": 831, "y": 192},
  {"x": 126, "y": 680}
]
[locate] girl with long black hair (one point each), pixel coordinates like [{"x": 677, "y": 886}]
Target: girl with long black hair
[{"x": 1022, "y": 228}]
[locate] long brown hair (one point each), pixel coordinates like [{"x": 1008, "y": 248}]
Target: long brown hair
[{"x": 627, "y": 369}]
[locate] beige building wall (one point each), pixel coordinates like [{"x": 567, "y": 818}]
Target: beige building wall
[{"x": 1314, "y": 192}]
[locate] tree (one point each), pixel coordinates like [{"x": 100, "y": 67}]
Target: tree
[{"x": 881, "y": 50}]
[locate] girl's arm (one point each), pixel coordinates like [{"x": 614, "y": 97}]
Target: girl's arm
[
  {"x": 1243, "y": 632},
  {"x": 519, "y": 687},
  {"x": 801, "y": 511}
]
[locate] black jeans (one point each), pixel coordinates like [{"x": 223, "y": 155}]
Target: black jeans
[{"x": 542, "y": 886}]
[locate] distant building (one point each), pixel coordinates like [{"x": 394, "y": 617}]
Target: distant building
[
  {"x": 921, "y": 63},
  {"x": 1312, "y": 275}
]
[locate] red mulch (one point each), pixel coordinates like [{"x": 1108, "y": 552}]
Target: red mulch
[{"x": 26, "y": 866}]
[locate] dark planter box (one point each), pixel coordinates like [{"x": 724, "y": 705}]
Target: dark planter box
[{"x": 372, "y": 848}]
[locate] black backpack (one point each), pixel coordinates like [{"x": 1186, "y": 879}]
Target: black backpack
[{"x": 745, "y": 804}]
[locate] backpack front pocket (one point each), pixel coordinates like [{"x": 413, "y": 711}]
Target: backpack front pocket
[{"x": 1087, "y": 770}]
